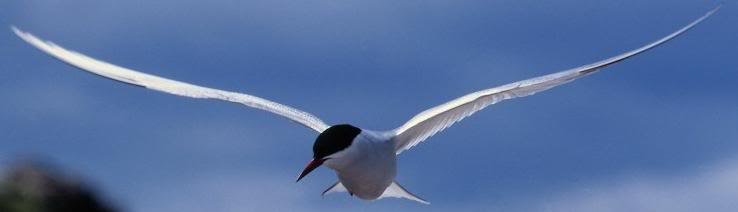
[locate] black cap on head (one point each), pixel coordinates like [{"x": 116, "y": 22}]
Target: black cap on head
[{"x": 334, "y": 139}]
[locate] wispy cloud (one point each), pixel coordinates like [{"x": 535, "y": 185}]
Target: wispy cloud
[
  {"x": 227, "y": 192},
  {"x": 712, "y": 188}
]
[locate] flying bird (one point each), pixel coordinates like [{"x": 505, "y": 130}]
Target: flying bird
[{"x": 365, "y": 161}]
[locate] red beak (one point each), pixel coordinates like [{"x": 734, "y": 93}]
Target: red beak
[{"x": 309, "y": 168}]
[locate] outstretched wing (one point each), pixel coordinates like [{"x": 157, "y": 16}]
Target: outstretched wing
[
  {"x": 167, "y": 85},
  {"x": 434, "y": 120}
]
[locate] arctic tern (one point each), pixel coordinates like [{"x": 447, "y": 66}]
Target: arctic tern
[{"x": 364, "y": 160}]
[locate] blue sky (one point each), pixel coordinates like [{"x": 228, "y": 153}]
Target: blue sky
[{"x": 654, "y": 133}]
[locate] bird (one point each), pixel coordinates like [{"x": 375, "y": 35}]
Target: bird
[{"x": 365, "y": 161}]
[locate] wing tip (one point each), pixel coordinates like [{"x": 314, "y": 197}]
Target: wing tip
[
  {"x": 18, "y": 32},
  {"x": 720, "y": 5},
  {"x": 30, "y": 38},
  {"x": 707, "y": 15},
  {"x": 713, "y": 11}
]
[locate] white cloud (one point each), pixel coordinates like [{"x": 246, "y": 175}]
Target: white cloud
[
  {"x": 710, "y": 189},
  {"x": 222, "y": 192}
]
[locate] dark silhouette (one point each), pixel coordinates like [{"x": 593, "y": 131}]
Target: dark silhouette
[{"x": 34, "y": 187}]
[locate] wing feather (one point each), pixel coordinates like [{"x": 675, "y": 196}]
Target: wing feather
[
  {"x": 132, "y": 77},
  {"x": 436, "y": 119}
]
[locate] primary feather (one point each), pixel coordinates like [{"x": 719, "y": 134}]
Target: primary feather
[
  {"x": 436, "y": 119},
  {"x": 167, "y": 85}
]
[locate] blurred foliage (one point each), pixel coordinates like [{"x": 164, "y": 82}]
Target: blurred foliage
[
  {"x": 13, "y": 200},
  {"x": 32, "y": 187}
]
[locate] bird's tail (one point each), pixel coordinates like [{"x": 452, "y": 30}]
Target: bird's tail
[{"x": 397, "y": 191}]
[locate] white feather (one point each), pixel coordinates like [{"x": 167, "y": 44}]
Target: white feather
[
  {"x": 167, "y": 85},
  {"x": 436, "y": 119}
]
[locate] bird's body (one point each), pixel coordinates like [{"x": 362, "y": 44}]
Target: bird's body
[
  {"x": 368, "y": 166},
  {"x": 365, "y": 161}
]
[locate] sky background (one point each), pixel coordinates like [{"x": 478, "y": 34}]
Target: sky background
[{"x": 657, "y": 132}]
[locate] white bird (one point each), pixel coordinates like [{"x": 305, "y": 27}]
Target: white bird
[{"x": 364, "y": 160}]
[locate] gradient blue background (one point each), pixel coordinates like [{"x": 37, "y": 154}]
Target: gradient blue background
[{"x": 655, "y": 133}]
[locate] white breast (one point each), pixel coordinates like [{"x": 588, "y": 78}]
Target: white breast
[{"x": 367, "y": 167}]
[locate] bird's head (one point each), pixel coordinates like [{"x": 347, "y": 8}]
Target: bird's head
[{"x": 333, "y": 140}]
